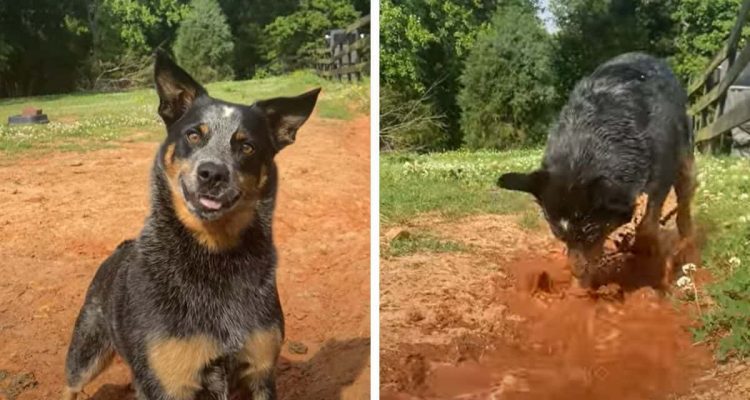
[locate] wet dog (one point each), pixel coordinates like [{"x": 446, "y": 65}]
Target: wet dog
[
  {"x": 191, "y": 305},
  {"x": 623, "y": 132}
]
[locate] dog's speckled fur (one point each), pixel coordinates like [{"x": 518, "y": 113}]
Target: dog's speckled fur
[
  {"x": 623, "y": 132},
  {"x": 191, "y": 305}
]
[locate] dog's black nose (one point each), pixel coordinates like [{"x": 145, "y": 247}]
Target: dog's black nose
[{"x": 211, "y": 173}]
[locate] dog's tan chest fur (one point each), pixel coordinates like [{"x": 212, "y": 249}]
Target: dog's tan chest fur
[
  {"x": 260, "y": 351},
  {"x": 178, "y": 362}
]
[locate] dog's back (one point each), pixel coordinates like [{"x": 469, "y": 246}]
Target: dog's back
[{"x": 626, "y": 121}]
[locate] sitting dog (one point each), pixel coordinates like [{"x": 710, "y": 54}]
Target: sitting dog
[
  {"x": 191, "y": 305},
  {"x": 623, "y": 132}
]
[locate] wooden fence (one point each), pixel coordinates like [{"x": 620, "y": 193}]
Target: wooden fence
[
  {"x": 708, "y": 90},
  {"x": 346, "y": 56}
]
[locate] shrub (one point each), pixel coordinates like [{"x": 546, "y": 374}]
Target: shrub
[
  {"x": 204, "y": 44},
  {"x": 508, "y": 95},
  {"x": 407, "y": 123},
  {"x": 291, "y": 40}
]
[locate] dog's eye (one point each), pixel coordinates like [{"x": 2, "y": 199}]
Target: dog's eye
[
  {"x": 194, "y": 137},
  {"x": 248, "y": 149}
]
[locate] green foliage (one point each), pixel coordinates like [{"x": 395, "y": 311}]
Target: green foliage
[
  {"x": 730, "y": 316},
  {"x": 123, "y": 33},
  {"x": 134, "y": 22},
  {"x": 247, "y": 19},
  {"x": 38, "y": 53},
  {"x": 51, "y": 46},
  {"x": 508, "y": 93},
  {"x": 425, "y": 54},
  {"x": 402, "y": 38},
  {"x": 204, "y": 44},
  {"x": 704, "y": 26},
  {"x": 593, "y": 31},
  {"x": 5, "y": 51},
  {"x": 407, "y": 123},
  {"x": 292, "y": 39},
  {"x": 722, "y": 213},
  {"x": 408, "y": 117}
]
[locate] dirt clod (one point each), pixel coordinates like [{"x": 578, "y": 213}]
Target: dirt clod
[
  {"x": 296, "y": 347},
  {"x": 12, "y": 385}
]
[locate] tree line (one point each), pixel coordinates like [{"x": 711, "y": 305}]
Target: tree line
[
  {"x": 489, "y": 74},
  {"x": 59, "y": 46}
]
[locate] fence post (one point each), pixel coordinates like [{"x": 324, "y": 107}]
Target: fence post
[
  {"x": 343, "y": 51},
  {"x": 355, "y": 55}
]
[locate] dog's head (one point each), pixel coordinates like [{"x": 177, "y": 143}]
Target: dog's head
[
  {"x": 580, "y": 213},
  {"x": 217, "y": 155}
]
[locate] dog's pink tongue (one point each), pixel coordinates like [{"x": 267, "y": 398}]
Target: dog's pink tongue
[{"x": 210, "y": 204}]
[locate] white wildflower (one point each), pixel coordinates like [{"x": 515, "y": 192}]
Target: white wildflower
[
  {"x": 687, "y": 268},
  {"x": 684, "y": 282}
]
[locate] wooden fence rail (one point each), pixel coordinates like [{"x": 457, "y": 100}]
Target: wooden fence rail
[
  {"x": 347, "y": 54},
  {"x": 708, "y": 90}
]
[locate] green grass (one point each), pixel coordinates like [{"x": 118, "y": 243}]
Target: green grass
[
  {"x": 83, "y": 121},
  {"x": 452, "y": 184},
  {"x": 409, "y": 243},
  {"x": 531, "y": 220},
  {"x": 461, "y": 183},
  {"x": 723, "y": 211}
]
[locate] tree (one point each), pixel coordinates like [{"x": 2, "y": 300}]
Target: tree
[
  {"x": 204, "y": 45},
  {"x": 704, "y": 26},
  {"x": 38, "y": 51},
  {"x": 593, "y": 31},
  {"x": 246, "y": 19},
  {"x": 123, "y": 34},
  {"x": 428, "y": 48},
  {"x": 291, "y": 40},
  {"x": 508, "y": 95},
  {"x": 403, "y": 38},
  {"x": 408, "y": 116}
]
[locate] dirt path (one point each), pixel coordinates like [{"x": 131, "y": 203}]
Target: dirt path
[
  {"x": 63, "y": 213},
  {"x": 500, "y": 322}
]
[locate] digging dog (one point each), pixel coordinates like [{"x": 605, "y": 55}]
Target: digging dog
[
  {"x": 191, "y": 305},
  {"x": 624, "y": 131}
]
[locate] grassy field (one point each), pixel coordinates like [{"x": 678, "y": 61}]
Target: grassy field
[
  {"x": 84, "y": 121},
  {"x": 455, "y": 184},
  {"x": 452, "y": 183}
]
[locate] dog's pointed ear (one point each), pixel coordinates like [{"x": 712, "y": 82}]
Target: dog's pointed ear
[
  {"x": 532, "y": 183},
  {"x": 287, "y": 114},
  {"x": 176, "y": 88}
]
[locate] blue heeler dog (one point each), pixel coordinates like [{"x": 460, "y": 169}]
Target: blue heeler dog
[{"x": 623, "y": 132}]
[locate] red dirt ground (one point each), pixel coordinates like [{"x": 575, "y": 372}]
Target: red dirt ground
[
  {"x": 501, "y": 321},
  {"x": 63, "y": 213}
]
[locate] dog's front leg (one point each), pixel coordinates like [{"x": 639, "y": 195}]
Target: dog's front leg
[{"x": 258, "y": 359}]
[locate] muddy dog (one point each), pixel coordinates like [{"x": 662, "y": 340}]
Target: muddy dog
[
  {"x": 191, "y": 305},
  {"x": 623, "y": 132}
]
